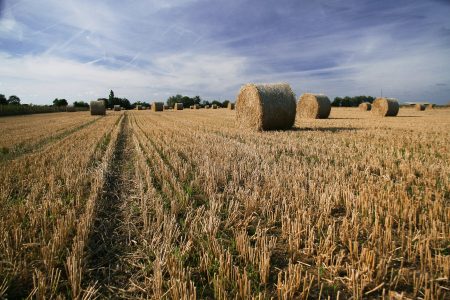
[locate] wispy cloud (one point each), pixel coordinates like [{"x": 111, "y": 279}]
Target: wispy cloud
[{"x": 148, "y": 50}]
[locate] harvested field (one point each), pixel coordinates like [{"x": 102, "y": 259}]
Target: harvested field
[
  {"x": 147, "y": 210},
  {"x": 19, "y": 132}
]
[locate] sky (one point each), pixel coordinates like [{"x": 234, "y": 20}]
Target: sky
[{"x": 150, "y": 50}]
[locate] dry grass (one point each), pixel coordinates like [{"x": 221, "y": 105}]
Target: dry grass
[
  {"x": 20, "y": 131},
  {"x": 215, "y": 212}
]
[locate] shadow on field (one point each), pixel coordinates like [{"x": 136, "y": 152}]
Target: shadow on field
[
  {"x": 345, "y": 118},
  {"x": 325, "y": 129},
  {"x": 409, "y": 116}
]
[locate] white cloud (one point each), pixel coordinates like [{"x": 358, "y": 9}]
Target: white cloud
[{"x": 62, "y": 78}]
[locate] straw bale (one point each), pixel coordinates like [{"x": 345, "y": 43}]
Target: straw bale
[{"x": 265, "y": 106}]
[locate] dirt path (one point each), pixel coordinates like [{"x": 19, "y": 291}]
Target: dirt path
[{"x": 110, "y": 241}]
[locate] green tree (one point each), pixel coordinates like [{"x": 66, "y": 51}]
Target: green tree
[
  {"x": 111, "y": 99},
  {"x": 225, "y": 103},
  {"x": 337, "y": 101},
  {"x": 60, "y": 102},
  {"x": 218, "y": 103},
  {"x": 14, "y": 100},
  {"x": 111, "y": 95},
  {"x": 125, "y": 103},
  {"x": 187, "y": 101},
  {"x": 346, "y": 101},
  {"x": 3, "y": 100},
  {"x": 142, "y": 103},
  {"x": 197, "y": 100},
  {"x": 80, "y": 104}
]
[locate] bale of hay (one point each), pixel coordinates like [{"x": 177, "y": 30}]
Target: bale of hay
[
  {"x": 230, "y": 106},
  {"x": 419, "y": 107},
  {"x": 385, "y": 107},
  {"x": 429, "y": 106},
  {"x": 166, "y": 107},
  {"x": 117, "y": 108},
  {"x": 313, "y": 106},
  {"x": 157, "y": 106},
  {"x": 71, "y": 108},
  {"x": 196, "y": 106},
  {"x": 214, "y": 106},
  {"x": 207, "y": 106},
  {"x": 265, "y": 106},
  {"x": 139, "y": 107},
  {"x": 178, "y": 106},
  {"x": 365, "y": 106},
  {"x": 191, "y": 107},
  {"x": 98, "y": 108}
]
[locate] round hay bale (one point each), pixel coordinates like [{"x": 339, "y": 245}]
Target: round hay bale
[
  {"x": 157, "y": 106},
  {"x": 214, "y": 106},
  {"x": 117, "y": 108},
  {"x": 139, "y": 107},
  {"x": 365, "y": 106},
  {"x": 207, "y": 106},
  {"x": 191, "y": 107},
  {"x": 230, "y": 106},
  {"x": 165, "y": 107},
  {"x": 196, "y": 106},
  {"x": 419, "y": 107},
  {"x": 265, "y": 106},
  {"x": 313, "y": 106},
  {"x": 71, "y": 108},
  {"x": 429, "y": 106},
  {"x": 178, "y": 106},
  {"x": 385, "y": 107},
  {"x": 98, "y": 108}
]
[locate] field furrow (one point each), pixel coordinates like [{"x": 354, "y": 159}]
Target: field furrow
[{"x": 47, "y": 204}]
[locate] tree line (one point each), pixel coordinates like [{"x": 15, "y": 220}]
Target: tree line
[
  {"x": 351, "y": 101},
  {"x": 188, "y": 101}
]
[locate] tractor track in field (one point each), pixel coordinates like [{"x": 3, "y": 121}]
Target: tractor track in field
[{"x": 110, "y": 242}]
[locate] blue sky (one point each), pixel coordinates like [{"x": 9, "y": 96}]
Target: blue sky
[{"x": 149, "y": 50}]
